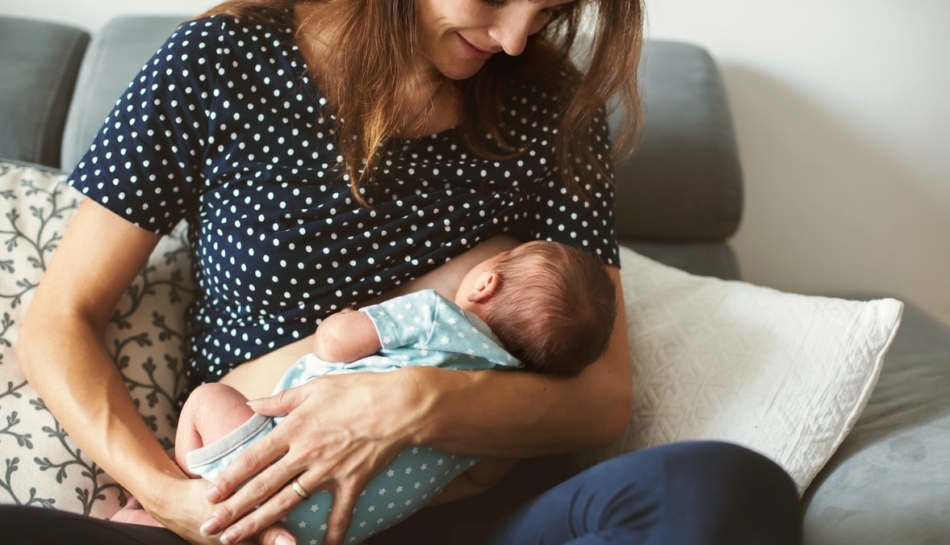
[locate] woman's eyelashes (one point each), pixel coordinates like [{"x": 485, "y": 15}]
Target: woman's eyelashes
[{"x": 545, "y": 13}]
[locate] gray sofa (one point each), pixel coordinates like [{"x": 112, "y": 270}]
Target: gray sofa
[{"x": 680, "y": 200}]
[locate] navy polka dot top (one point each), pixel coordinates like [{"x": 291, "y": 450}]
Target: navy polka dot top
[{"x": 224, "y": 128}]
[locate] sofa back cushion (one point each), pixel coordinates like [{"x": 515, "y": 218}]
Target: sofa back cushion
[
  {"x": 39, "y": 61},
  {"x": 114, "y": 57}
]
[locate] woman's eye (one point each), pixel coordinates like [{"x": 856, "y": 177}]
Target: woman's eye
[{"x": 552, "y": 12}]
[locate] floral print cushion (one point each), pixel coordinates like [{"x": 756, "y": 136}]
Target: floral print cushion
[{"x": 39, "y": 464}]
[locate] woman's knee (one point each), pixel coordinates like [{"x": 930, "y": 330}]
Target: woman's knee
[
  {"x": 702, "y": 492},
  {"x": 733, "y": 494}
]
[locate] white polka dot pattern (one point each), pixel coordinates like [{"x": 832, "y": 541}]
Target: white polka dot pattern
[{"x": 223, "y": 127}]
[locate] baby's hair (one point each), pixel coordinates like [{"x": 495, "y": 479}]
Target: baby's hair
[{"x": 555, "y": 307}]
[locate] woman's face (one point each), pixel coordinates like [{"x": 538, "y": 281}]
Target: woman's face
[{"x": 459, "y": 36}]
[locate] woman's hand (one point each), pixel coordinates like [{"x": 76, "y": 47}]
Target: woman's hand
[
  {"x": 179, "y": 504},
  {"x": 340, "y": 431}
]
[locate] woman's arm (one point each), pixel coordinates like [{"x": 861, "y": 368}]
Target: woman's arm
[
  {"x": 498, "y": 414},
  {"x": 341, "y": 430},
  {"x": 63, "y": 354}
]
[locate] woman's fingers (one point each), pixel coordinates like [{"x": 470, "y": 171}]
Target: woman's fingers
[
  {"x": 257, "y": 522},
  {"x": 279, "y": 404},
  {"x": 270, "y": 536},
  {"x": 258, "y": 457},
  {"x": 344, "y": 430},
  {"x": 273, "y": 464},
  {"x": 341, "y": 514},
  {"x": 237, "y": 518},
  {"x": 262, "y": 453}
]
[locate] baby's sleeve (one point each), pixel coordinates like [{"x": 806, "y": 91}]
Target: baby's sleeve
[
  {"x": 434, "y": 326},
  {"x": 404, "y": 321}
]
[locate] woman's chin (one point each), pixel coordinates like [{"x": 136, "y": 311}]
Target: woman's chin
[{"x": 461, "y": 70}]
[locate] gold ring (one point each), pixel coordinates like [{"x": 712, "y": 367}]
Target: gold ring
[{"x": 299, "y": 489}]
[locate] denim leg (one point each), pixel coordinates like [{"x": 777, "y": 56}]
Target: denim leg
[{"x": 692, "y": 493}]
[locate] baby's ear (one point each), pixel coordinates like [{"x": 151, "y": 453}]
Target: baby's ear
[{"x": 486, "y": 285}]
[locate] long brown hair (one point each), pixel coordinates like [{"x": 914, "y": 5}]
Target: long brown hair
[{"x": 376, "y": 47}]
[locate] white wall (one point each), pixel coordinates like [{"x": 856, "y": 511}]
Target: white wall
[{"x": 842, "y": 110}]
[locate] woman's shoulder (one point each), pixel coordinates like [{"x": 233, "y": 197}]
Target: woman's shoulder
[
  {"x": 229, "y": 32},
  {"x": 210, "y": 48}
]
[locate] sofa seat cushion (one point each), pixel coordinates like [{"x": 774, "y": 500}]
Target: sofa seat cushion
[{"x": 889, "y": 482}]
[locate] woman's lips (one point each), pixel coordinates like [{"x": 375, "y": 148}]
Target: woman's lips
[{"x": 473, "y": 52}]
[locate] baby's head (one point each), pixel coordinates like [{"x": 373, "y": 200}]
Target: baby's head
[{"x": 552, "y": 306}]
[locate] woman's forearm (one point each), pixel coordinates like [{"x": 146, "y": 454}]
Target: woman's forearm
[
  {"x": 78, "y": 381},
  {"x": 498, "y": 413},
  {"x": 62, "y": 349},
  {"x": 69, "y": 366},
  {"x": 521, "y": 414}
]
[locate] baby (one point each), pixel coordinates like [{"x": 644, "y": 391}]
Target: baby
[{"x": 542, "y": 306}]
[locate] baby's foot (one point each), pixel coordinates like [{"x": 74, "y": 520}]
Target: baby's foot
[{"x": 134, "y": 513}]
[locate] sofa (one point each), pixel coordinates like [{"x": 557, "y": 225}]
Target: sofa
[{"x": 680, "y": 199}]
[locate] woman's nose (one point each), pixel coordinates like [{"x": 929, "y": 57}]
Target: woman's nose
[{"x": 512, "y": 32}]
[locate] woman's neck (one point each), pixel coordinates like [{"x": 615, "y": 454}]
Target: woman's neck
[{"x": 430, "y": 101}]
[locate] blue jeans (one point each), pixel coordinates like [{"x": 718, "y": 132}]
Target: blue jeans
[{"x": 691, "y": 493}]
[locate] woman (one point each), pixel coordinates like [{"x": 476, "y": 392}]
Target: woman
[{"x": 329, "y": 153}]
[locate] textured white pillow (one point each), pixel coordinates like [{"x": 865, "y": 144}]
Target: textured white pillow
[
  {"x": 786, "y": 375},
  {"x": 39, "y": 464}
]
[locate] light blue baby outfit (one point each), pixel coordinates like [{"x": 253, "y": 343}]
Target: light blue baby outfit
[{"x": 421, "y": 328}]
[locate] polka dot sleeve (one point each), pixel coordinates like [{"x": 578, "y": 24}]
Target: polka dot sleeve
[{"x": 145, "y": 163}]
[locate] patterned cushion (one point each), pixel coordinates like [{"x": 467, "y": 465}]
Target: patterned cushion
[
  {"x": 41, "y": 465},
  {"x": 786, "y": 375}
]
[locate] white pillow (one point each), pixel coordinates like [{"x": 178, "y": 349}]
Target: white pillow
[
  {"x": 39, "y": 464},
  {"x": 783, "y": 374}
]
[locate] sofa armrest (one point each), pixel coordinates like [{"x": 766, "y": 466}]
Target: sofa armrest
[
  {"x": 684, "y": 182},
  {"x": 39, "y": 63}
]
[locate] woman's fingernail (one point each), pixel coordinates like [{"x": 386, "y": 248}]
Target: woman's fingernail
[
  {"x": 229, "y": 537},
  {"x": 213, "y": 494},
  {"x": 210, "y": 527},
  {"x": 284, "y": 540}
]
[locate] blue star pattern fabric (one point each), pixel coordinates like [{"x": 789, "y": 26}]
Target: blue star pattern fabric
[
  {"x": 424, "y": 328},
  {"x": 421, "y": 328},
  {"x": 225, "y": 128}
]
